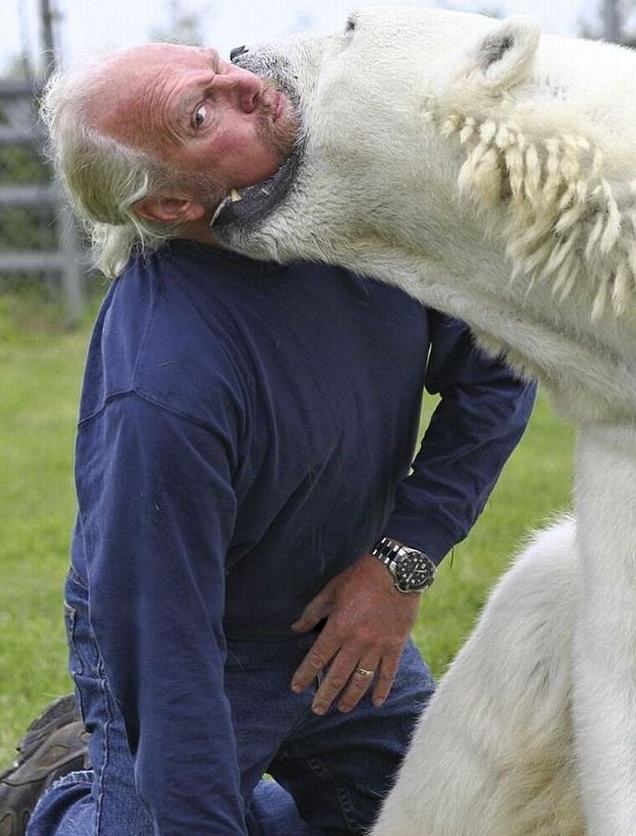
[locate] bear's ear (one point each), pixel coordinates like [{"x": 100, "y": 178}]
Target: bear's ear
[{"x": 503, "y": 57}]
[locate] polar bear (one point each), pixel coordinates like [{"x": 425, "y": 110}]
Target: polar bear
[{"x": 490, "y": 171}]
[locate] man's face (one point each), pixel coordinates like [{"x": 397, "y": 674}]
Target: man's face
[{"x": 198, "y": 112}]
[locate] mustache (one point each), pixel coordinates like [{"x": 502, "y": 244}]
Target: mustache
[{"x": 280, "y": 135}]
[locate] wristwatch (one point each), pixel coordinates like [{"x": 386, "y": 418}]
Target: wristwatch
[{"x": 411, "y": 570}]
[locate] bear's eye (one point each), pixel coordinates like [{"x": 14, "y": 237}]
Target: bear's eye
[{"x": 350, "y": 25}]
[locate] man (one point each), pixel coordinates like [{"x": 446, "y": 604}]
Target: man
[{"x": 245, "y": 513}]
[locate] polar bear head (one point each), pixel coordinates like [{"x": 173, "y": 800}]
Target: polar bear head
[{"x": 456, "y": 138}]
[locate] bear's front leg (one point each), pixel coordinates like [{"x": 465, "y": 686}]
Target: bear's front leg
[{"x": 605, "y": 635}]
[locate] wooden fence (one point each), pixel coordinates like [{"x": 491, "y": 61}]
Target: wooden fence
[{"x": 62, "y": 256}]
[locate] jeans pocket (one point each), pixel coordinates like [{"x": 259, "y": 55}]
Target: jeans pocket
[
  {"x": 85, "y": 663},
  {"x": 81, "y": 639},
  {"x": 70, "y": 617},
  {"x": 75, "y": 665}
]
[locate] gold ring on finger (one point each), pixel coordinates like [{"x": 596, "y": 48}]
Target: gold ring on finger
[{"x": 364, "y": 671}]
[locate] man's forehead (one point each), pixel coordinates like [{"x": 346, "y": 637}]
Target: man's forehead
[
  {"x": 132, "y": 77},
  {"x": 158, "y": 53}
]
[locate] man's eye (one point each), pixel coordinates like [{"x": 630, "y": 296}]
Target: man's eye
[{"x": 200, "y": 113}]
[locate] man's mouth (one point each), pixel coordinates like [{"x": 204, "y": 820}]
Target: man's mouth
[
  {"x": 277, "y": 106},
  {"x": 273, "y": 103}
]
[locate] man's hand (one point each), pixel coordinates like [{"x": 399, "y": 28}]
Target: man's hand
[{"x": 368, "y": 624}]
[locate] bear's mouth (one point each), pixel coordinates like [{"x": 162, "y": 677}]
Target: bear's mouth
[
  {"x": 247, "y": 208},
  {"x": 244, "y": 210}
]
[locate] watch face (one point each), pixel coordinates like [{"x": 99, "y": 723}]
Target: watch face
[{"x": 412, "y": 572}]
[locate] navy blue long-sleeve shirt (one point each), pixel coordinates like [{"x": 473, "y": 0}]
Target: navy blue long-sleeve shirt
[{"x": 246, "y": 432}]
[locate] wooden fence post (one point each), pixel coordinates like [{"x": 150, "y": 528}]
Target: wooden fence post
[{"x": 68, "y": 260}]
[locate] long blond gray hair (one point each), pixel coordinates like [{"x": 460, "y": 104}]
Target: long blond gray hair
[{"x": 103, "y": 177}]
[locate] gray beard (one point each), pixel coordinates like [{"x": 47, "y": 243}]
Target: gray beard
[{"x": 279, "y": 135}]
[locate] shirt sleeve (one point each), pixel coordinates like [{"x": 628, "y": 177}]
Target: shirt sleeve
[
  {"x": 482, "y": 414},
  {"x": 157, "y": 513}
]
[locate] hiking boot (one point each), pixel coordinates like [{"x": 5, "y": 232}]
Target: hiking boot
[{"x": 54, "y": 745}]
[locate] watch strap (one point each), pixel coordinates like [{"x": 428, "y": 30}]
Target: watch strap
[{"x": 391, "y": 552}]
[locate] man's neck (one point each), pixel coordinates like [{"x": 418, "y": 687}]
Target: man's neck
[{"x": 199, "y": 231}]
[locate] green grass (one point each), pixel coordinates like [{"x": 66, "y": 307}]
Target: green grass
[
  {"x": 534, "y": 486},
  {"x": 40, "y": 372}
]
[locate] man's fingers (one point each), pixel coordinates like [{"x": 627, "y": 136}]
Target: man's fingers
[
  {"x": 336, "y": 679},
  {"x": 384, "y": 679},
  {"x": 345, "y": 673},
  {"x": 317, "y": 609},
  {"x": 359, "y": 683},
  {"x": 313, "y": 664}
]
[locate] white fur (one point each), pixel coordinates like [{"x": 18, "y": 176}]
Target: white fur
[
  {"x": 493, "y": 754},
  {"x": 491, "y": 173}
]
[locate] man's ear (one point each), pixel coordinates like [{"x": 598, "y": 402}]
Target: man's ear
[
  {"x": 169, "y": 210},
  {"x": 502, "y": 57}
]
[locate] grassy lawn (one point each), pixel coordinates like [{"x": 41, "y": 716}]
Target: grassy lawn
[
  {"x": 40, "y": 371},
  {"x": 534, "y": 486}
]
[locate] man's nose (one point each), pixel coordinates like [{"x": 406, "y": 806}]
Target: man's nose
[{"x": 244, "y": 87}]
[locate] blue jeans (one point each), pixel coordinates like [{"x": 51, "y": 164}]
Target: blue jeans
[{"x": 330, "y": 773}]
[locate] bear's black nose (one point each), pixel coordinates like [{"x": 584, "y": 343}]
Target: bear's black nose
[{"x": 238, "y": 50}]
